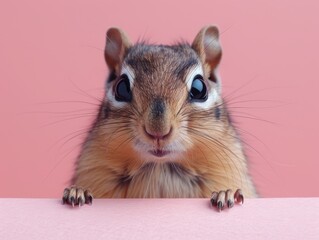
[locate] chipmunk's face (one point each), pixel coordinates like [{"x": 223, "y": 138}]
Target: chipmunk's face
[{"x": 158, "y": 97}]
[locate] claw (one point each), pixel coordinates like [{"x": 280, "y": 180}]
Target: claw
[
  {"x": 81, "y": 202},
  {"x": 65, "y": 195},
  {"x": 220, "y": 206},
  {"x": 80, "y": 198},
  {"x": 221, "y": 200},
  {"x": 72, "y": 201},
  {"x": 88, "y": 197},
  {"x": 230, "y": 204},
  {"x": 229, "y": 198},
  {"x": 213, "y": 198},
  {"x": 72, "y": 196},
  {"x": 239, "y": 196}
]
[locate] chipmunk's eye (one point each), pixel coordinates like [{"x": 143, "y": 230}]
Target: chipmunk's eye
[
  {"x": 123, "y": 91},
  {"x": 198, "y": 92}
]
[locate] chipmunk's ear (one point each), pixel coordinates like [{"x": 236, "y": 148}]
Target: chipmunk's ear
[
  {"x": 207, "y": 46},
  {"x": 116, "y": 46}
]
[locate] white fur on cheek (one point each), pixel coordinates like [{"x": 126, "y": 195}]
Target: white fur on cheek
[
  {"x": 209, "y": 103},
  {"x": 111, "y": 99},
  {"x": 110, "y": 95}
]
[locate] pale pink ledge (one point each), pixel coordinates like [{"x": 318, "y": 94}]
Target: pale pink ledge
[{"x": 282, "y": 218}]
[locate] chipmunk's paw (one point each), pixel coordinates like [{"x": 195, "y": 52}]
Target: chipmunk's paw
[
  {"x": 76, "y": 196},
  {"x": 220, "y": 199}
]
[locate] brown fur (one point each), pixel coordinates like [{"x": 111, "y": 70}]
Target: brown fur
[{"x": 213, "y": 160}]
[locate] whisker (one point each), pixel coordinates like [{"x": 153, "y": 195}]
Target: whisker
[
  {"x": 68, "y": 101},
  {"x": 253, "y": 118},
  {"x": 86, "y": 94},
  {"x": 67, "y": 119}
]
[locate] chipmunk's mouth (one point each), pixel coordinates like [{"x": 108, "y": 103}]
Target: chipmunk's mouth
[
  {"x": 149, "y": 152},
  {"x": 159, "y": 152}
]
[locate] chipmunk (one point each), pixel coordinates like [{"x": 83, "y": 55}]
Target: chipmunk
[{"x": 163, "y": 129}]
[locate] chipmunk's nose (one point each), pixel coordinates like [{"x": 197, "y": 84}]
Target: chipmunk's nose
[{"x": 158, "y": 135}]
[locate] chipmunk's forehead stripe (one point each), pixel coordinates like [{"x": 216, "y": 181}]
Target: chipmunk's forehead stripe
[
  {"x": 140, "y": 64},
  {"x": 184, "y": 66},
  {"x": 149, "y": 59},
  {"x": 177, "y": 69}
]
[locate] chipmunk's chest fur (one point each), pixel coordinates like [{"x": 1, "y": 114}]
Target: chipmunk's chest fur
[
  {"x": 151, "y": 180},
  {"x": 168, "y": 180}
]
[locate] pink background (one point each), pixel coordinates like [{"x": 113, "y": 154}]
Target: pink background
[{"x": 52, "y": 72}]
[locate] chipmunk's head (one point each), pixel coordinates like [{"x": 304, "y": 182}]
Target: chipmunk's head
[{"x": 162, "y": 100}]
